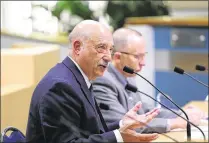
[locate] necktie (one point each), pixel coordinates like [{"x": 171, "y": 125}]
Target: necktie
[
  {"x": 101, "y": 121},
  {"x": 92, "y": 95}
]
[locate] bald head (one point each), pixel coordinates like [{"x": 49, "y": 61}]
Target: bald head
[
  {"x": 88, "y": 30},
  {"x": 124, "y": 36},
  {"x": 129, "y": 50},
  {"x": 91, "y": 47}
]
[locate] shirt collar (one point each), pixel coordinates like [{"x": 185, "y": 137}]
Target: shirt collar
[
  {"x": 83, "y": 74},
  {"x": 123, "y": 80},
  {"x": 120, "y": 77}
]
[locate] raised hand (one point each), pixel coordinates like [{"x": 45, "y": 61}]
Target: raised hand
[
  {"x": 137, "y": 121},
  {"x": 132, "y": 120}
]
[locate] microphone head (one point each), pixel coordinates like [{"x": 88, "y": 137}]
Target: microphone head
[
  {"x": 200, "y": 68},
  {"x": 104, "y": 106},
  {"x": 178, "y": 70},
  {"x": 128, "y": 70},
  {"x": 131, "y": 88}
]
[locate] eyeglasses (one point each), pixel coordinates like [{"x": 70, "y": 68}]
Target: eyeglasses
[
  {"x": 138, "y": 57},
  {"x": 104, "y": 50}
]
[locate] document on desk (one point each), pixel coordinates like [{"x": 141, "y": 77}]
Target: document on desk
[{"x": 195, "y": 133}]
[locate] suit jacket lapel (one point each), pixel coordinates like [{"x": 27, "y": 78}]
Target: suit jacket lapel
[
  {"x": 72, "y": 67},
  {"x": 120, "y": 82},
  {"x": 130, "y": 96}
]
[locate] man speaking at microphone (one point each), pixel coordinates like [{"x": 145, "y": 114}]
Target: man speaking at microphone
[
  {"x": 115, "y": 100},
  {"x": 63, "y": 108}
]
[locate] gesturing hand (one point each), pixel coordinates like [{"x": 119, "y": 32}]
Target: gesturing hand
[{"x": 132, "y": 120}]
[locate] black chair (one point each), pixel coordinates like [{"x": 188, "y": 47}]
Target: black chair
[
  {"x": 15, "y": 135},
  {"x": 165, "y": 102}
]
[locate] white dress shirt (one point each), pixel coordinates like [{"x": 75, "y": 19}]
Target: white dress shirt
[{"x": 116, "y": 132}]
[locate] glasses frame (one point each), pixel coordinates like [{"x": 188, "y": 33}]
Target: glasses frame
[
  {"x": 138, "y": 57},
  {"x": 104, "y": 50}
]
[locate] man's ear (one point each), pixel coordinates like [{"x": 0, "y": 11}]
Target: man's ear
[
  {"x": 77, "y": 47},
  {"x": 117, "y": 55}
]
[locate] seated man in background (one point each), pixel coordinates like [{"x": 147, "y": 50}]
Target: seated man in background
[
  {"x": 115, "y": 100},
  {"x": 63, "y": 109}
]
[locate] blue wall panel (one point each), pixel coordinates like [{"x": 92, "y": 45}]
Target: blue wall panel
[{"x": 181, "y": 88}]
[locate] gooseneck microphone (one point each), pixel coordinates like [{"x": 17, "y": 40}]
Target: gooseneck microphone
[
  {"x": 135, "y": 89},
  {"x": 181, "y": 71},
  {"x": 131, "y": 71},
  {"x": 200, "y": 68}
]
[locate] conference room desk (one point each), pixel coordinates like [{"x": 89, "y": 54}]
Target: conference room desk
[{"x": 180, "y": 136}]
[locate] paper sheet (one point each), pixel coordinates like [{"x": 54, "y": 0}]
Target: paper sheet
[{"x": 195, "y": 133}]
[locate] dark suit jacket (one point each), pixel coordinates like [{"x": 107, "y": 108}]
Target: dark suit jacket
[{"x": 62, "y": 109}]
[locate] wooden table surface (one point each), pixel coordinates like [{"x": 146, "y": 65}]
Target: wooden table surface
[{"x": 180, "y": 135}]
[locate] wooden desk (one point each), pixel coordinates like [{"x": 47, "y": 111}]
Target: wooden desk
[{"x": 180, "y": 136}]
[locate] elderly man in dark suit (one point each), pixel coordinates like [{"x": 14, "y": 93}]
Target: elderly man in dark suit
[
  {"x": 62, "y": 107},
  {"x": 115, "y": 100}
]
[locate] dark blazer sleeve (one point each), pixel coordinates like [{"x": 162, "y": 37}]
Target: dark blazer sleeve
[
  {"x": 60, "y": 112},
  {"x": 113, "y": 126}
]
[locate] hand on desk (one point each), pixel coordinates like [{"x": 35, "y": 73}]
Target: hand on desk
[
  {"x": 203, "y": 114},
  {"x": 195, "y": 116},
  {"x": 132, "y": 120}
]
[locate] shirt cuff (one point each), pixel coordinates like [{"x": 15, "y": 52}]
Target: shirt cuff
[
  {"x": 120, "y": 123},
  {"x": 118, "y": 136},
  {"x": 168, "y": 128}
]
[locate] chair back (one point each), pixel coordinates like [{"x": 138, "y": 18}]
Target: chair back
[
  {"x": 165, "y": 101},
  {"x": 15, "y": 135}
]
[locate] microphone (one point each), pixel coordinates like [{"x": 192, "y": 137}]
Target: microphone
[
  {"x": 181, "y": 71},
  {"x": 200, "y": 68},
  {"x": 131, "y": 88},
  {"x": 131, "y": 71},
  {"x": 104, "y": 106},
  {"x": 128, "y": 70},
  {"x": 135, "y": 89}
]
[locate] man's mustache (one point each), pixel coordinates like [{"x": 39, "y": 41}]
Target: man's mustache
[{"x": 105, "y": 64}]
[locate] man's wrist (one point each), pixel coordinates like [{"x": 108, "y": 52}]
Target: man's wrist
[
  {"x": 174, "y": 123},
  {"x": 168, "y": 128},
  {"x": 120, "y": 123}
]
